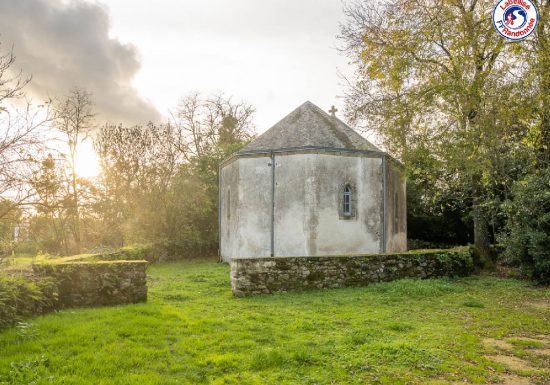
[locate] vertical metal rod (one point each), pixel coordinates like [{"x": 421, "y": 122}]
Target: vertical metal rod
[
  {"x": 272, "y": 204},
  {"x": 385, "y": 209}
]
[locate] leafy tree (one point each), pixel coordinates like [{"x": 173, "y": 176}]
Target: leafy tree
[
  {"x": 137, "y": 163},
  {"x": 526, "y": 235},
  {"x": 9, "y": 228},
  {"x": 527, "y": 238},
  {"x": 435, "y": 83},
  {"x": 536, "y": 51},
  {"x": 51, "y": 231},
  {"x": 160, "y": 182},
  {"x": 198, "y": 180}
]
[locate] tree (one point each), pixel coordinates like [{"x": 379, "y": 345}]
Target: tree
[
  {"x": 204, "y": 122},
  {"x": 537, "y": 51},
  {"x": 9, "y": 228},
  {"x": 210, "y": 129},
  {"x": 74, "y": 118},
  {"x": 432, "y": 82},
  {"x": 138, "y": 164},
  {"x": 527, "y": 237},
  {"x": 160, "y": 182},
  {"x": 11, "y": 86},
  {"x": 21, "y": 140},
  {"x": 526, "y": 234},
  {"x": 52, "y": 203}
]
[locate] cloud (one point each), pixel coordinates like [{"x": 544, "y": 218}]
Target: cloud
[{"x": 67, "y": 44}]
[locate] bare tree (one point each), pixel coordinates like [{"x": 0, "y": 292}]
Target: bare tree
[
  {"x": 74, "y": 118},
  {"x": 203, "y": 122},
  {"x": 20, "y": 137},
  {"x": 11, "y": 86}
]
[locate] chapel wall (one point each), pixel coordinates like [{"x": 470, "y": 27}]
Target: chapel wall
[
  {"x": 308, "y": 191},
  {"x": 396, "y": 209},
  {"x": 245, "y": 208}
]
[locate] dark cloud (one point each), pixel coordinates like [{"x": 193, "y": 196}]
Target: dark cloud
[{"x": 66, "y": 44}]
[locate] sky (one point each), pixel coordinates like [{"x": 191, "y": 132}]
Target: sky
[{"x": 138, "y": 58}]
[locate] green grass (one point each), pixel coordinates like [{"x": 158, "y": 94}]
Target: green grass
[
  {"x": 193, "y": 331},
  {"x": 23, "y": 260}
]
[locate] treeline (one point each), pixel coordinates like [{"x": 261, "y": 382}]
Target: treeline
[
  {"x": 158, "y": 182},
  {"x": 468, "y": 112},
  {"x": 465, "y": 110}
]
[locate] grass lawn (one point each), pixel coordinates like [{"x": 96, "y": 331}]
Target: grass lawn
[{"x": 193, "y": 331}]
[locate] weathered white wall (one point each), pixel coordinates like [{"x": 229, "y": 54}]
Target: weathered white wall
[
  {"x": 246, "y": 216},
  {"x": 396, "y": 216},
  {"x": 307, "y": 219},
  {"x": 229, "y": 182},
  {"x": 307, "y": 192}
]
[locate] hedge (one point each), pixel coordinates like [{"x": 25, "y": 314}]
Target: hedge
[
  {"x": 21, "y": 298},
  {"x": 136, "y": 252}
]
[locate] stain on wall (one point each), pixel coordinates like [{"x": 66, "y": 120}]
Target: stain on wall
[{"x": 396, "y": 206}]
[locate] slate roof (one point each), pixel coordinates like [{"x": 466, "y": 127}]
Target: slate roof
[{"x": 309, "y": 126}]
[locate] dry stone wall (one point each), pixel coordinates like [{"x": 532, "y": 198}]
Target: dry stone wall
[
  {"x": 250, "y": 276},
  {"x": 97, "y": 283}
]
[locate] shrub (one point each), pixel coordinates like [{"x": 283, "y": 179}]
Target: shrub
[
  {"x": 527, "y": 236},
  {"x": 419, "y": 244},
  {"x": 187, "y": 248},
  {"x": 21, "y": 297},
  {"x": 160, "y": 251},
  {"x": 137, "y": 252}
]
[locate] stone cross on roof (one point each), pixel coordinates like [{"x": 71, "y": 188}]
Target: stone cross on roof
[{"x": 333, "y": 110}]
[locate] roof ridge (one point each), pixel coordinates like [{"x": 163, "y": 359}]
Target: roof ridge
[{"x": 309, "y": 125}]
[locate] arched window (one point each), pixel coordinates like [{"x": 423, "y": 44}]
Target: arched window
[{"x": 347, "y": 209}]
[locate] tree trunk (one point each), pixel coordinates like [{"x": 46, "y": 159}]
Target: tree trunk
[
  {"x": 75, "y": 208},
  {"x": 482, "y": 243},
  {"x": 543, "y": 59},
  {"x": 63, "y": 235}
]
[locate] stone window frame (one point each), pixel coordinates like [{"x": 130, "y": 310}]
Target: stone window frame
[
  {"x": 341, "y": 193},
  {"x": 348, "y": 195}
]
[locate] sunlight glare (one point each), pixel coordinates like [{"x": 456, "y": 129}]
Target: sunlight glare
[{"x": 87, "y": 161}]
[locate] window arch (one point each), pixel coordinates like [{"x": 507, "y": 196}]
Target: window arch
[
  {"x": 346, "y": 196},
  {"x": 347, "y": 208}
]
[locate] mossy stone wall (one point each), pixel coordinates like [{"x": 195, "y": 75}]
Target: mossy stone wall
[
  {"x": 251, "y": 276},
  {"x": 97, "y": 283}
]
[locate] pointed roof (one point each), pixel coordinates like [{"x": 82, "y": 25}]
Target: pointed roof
[{"x": 311, "y": 127}]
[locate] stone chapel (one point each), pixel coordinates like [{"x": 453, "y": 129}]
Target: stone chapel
[{"x": 311, "y": 186}]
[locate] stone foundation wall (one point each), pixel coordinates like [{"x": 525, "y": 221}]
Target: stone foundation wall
[
  {"x": 252, "y": 276},
  {"x": 97, "y": 283}
]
